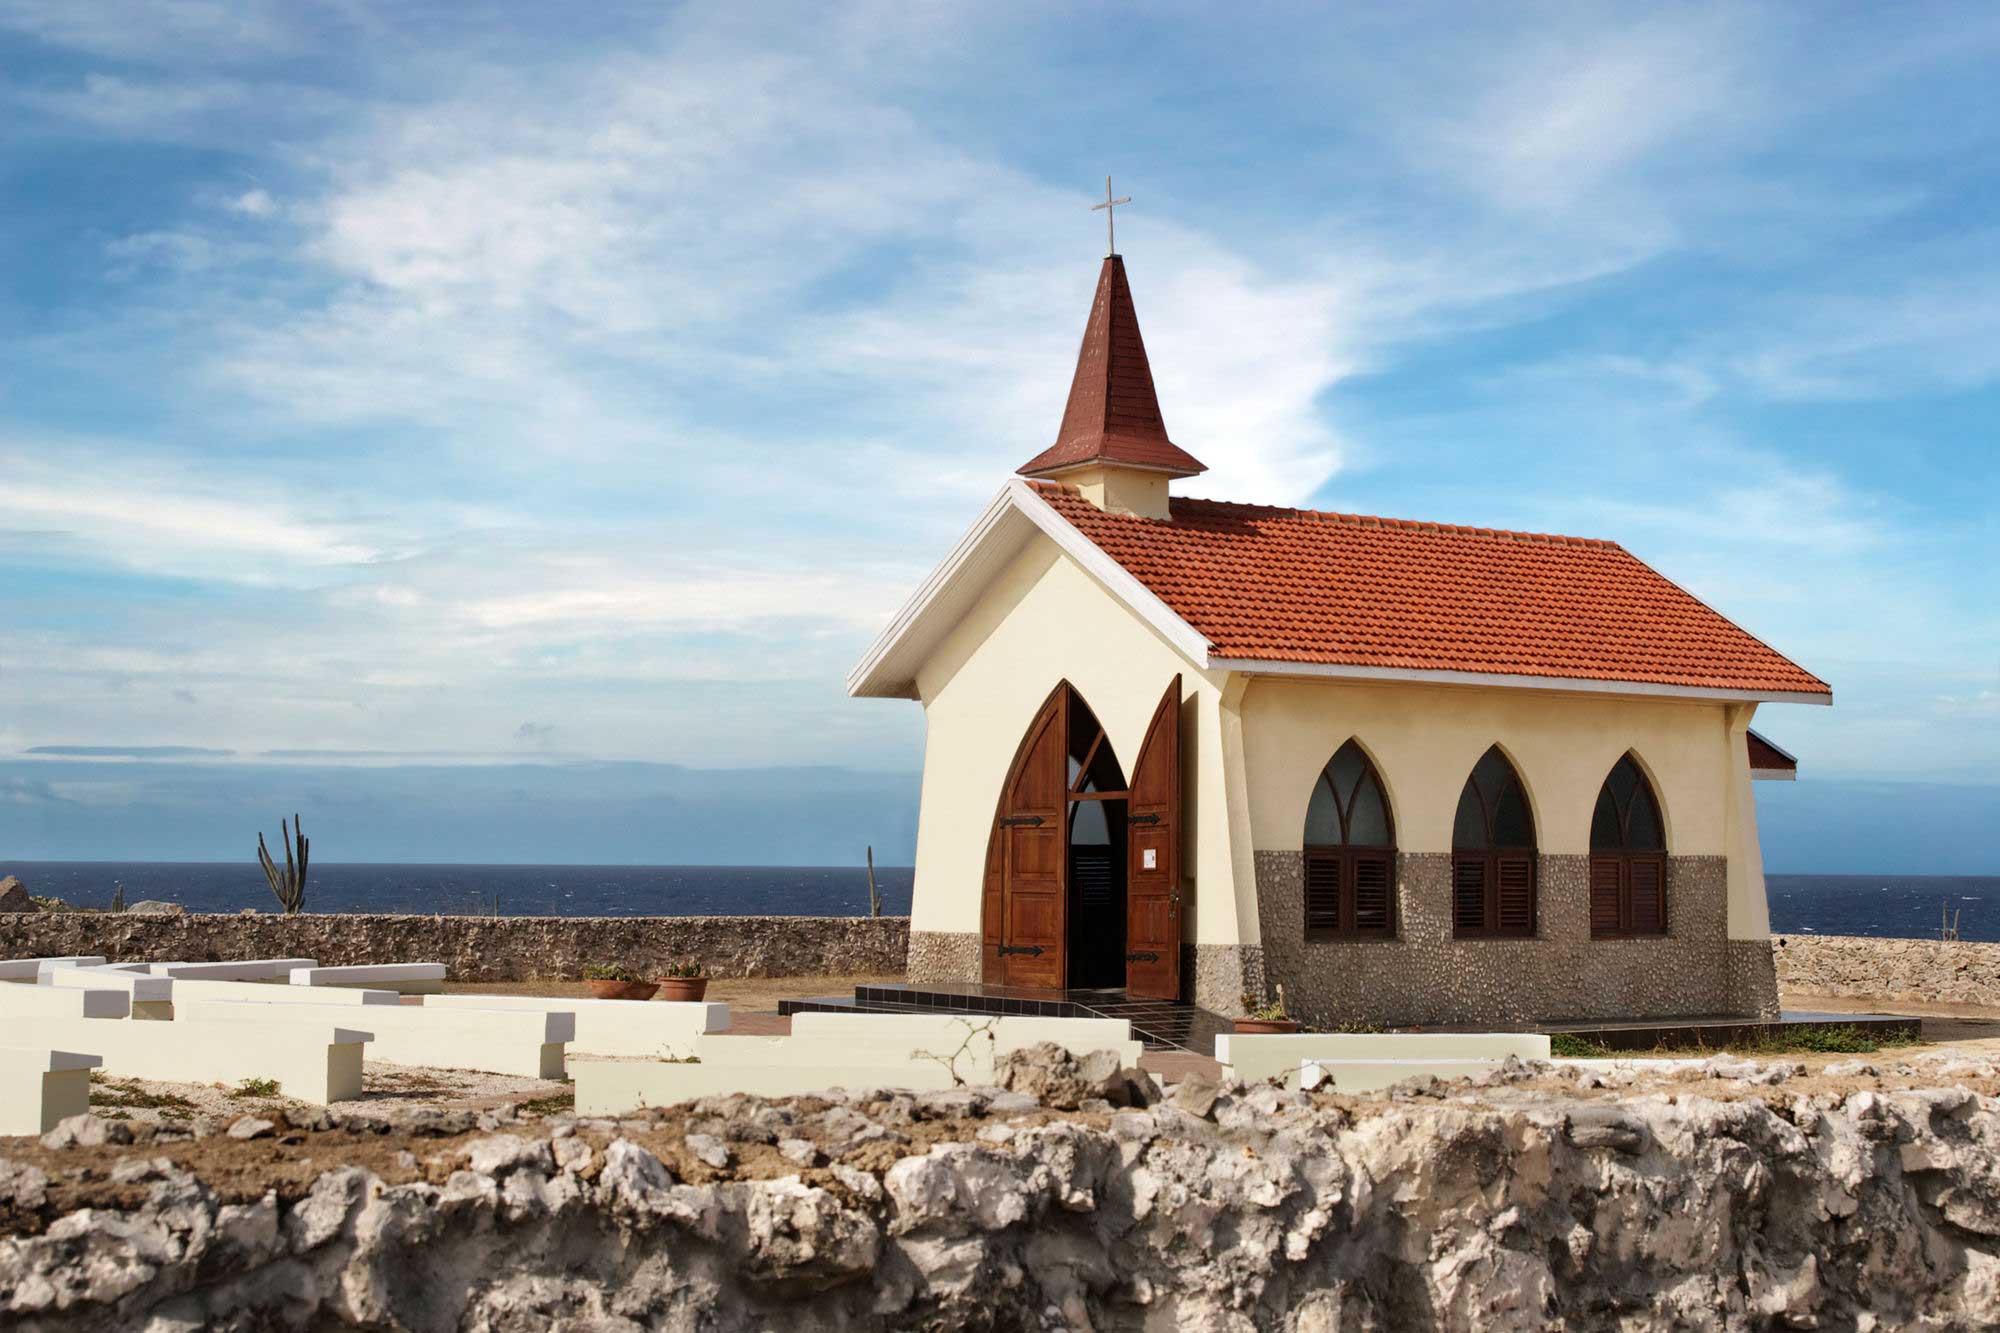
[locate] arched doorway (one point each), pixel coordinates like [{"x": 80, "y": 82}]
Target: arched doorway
[{"x": 1082, "y": 884}]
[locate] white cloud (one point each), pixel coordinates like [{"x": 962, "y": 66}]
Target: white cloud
[
  {"x": 256, "y": 203},
  {"x": 137, "y": 515}
]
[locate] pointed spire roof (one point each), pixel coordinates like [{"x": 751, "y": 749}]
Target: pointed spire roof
[{"x": 1113, "y": 416}]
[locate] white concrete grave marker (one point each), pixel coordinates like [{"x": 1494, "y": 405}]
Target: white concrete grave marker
[
  {"x": 404, "y": 978},
  {"x": 639, "y": 1029},
  {"x": 30, "y": 969},
  {"x": 524, "y": 1043},
  {"x": 39, "y": 1087}
]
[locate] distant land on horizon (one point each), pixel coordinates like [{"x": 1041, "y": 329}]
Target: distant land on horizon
[{"x": 615, "y": 812}]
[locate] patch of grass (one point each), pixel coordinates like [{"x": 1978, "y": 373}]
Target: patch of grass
[
  {"x": 1804, "y": 1039},
  {"x": 129, "y": 1096},
  {"x": 256, "y": 1087},
  {"x": 556, "y": 1103},
  {"x": 1569, "y": 1046},
  {"x": 1824, "y": 1039}
]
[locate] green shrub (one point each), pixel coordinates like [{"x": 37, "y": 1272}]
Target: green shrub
[
  {"x": 610, "y": 972},
  {"x": 1570, "y": 1046}
]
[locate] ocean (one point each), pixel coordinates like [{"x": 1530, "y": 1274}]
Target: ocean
[{"x": 1884, "y": 905}]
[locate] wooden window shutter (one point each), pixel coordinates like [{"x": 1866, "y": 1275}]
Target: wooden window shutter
[
  {"x": 1607, "y": 893},
  {"x": 1647, "y": 892},
  {"x": 1323, "y": 891},
  {"x": 1516, "y": 897},
  {"x": 1468, "y": 892},
  {"x": 1374, "y": 875}
]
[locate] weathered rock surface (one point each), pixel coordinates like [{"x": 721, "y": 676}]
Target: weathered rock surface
[
  {"x": 1500, "y": 1208},
  {"x": 476, "y": 948},
  {"x": 14, "y": 895},
  {"x": 156, "y": 907},
  {"x": 1956, "y": 971}
]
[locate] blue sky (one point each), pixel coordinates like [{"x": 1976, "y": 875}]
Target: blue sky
[{"x": 567, "y": 382}]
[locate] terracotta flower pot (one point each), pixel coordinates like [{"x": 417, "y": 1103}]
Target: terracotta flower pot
[
  {"x": 683, "y": 988},
  {"x": 1267, "y": 1025},
  {"x": 622, "y": 990}
]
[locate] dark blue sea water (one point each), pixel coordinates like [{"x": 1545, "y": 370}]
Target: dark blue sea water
[
  {"x": 1902, "y": 906},
  {"x": 463, "y": 889},
  {"x": 1890, "y": 905}
]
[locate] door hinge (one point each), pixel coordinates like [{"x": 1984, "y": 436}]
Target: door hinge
[
  {"x": 1143, "y": 819},
  {"x": 1032, "y": 950},
  {"x": 1011, "y": 820},
  {"x": 1147, "y": 957}
]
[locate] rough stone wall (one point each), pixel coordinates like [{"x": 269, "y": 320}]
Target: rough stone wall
[
  {"x": 1426, "y": 976},
  {"x": 1218, "y": 976},
  {"x": 944, "y": 955},
  {"x": 479, "y": 948},
  {"x": 1252, "y": 1209},
  {"x": 1958, "y": 972}
]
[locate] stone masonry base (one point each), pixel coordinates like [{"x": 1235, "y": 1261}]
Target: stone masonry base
[
  {"x": 943, "y": 955},
  {"x": 1427, "y": 976}
]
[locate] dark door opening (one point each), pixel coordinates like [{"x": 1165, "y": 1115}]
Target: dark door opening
[
  {"x": 1097, "y": 894},
  {"x": 1096, "y": 830}
]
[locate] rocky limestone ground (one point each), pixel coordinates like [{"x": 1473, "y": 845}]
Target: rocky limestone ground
[{"x": 1725, "y": 1194}]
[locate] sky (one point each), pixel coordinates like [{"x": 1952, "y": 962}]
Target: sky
[{"x": 421, "y": 385}]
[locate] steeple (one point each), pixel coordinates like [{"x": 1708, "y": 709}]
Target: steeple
[{"x": 1112, "y": 424}]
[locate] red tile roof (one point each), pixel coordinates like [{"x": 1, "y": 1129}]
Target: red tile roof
[
  {"x": 1113, "y": 414},
  {"x": 1294, "y": 585}
]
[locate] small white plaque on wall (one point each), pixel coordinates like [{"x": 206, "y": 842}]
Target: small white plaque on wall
[{"x": 1150, "y": 859}]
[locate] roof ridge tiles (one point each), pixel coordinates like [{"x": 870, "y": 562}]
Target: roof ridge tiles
[{"x": 1338, "y": 518}]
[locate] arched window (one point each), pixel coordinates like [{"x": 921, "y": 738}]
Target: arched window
[
  {"x": 1350, "y": 852},
  {"x": 1628, "y": 857},
  {"x": 1493, "y": 853}
]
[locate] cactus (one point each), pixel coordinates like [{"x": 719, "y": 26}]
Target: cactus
[{"x": 288, "y": 884}]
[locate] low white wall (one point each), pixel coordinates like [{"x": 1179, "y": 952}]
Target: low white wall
[
  {"x": 525, "y": 1044},
  {"x": 314, "y": 1062},
  {"x": 1254, "y": 1057},
  {"x": 646, "y": 1030},
  {"x": 617, "y": 1087}
]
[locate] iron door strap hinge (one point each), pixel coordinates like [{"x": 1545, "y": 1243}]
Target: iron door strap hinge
[
  {"x": 1032, "y": 950},
  {"x": 1143, "y": 819},
  {"x": 1011, "y": 820},
  {"x": 1147, "y": 957}
]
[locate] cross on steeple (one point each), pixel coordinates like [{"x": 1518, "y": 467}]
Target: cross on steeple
[{"x": 1110, "y": 207}]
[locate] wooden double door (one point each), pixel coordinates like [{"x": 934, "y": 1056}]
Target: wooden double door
[{"x": 1083, "y": 873}]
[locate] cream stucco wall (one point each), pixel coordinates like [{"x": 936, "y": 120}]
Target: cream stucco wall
[
  {"x": 1425, "y": 739},
  {"x": 1042, "y": 621},
  {"x": 1122, "y": 490}
]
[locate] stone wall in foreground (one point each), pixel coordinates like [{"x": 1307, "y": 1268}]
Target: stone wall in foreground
[
  {"x": 1254, "y": 1210},
  {"x": 1960, "y": 972},
  {"x": 480, "y": 948}
]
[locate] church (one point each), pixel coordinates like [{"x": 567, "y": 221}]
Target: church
[{"x": 1413, "y": 773}]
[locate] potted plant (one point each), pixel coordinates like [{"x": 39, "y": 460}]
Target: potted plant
[
  {"x": 618, "y": 983},
  {"x": 683, "y": 981},
  {"x": 1266, "y": 1015}
]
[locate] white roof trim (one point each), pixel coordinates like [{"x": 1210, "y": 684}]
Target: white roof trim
[
  {"x": 1191, "y": 642},
  {"x": 1773, "y": 744},
  {"x": 888, "y": 670},
  {"x": 1509, "y": 680},
  {"x": 1774, "y": 775}
]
